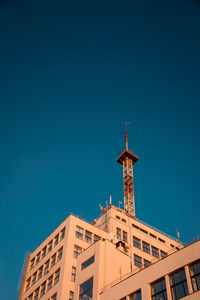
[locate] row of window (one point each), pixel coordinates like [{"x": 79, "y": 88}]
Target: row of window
[
  {"x": 139, "y": 262},
  {"x": 178, "y": 284},
  {"x": 54, "y": 242},
  {"x": 121, "y": 235},
  {"x": 44, "y": 269},
  {"x": 88, "y": 237},
  {"x": 146, "y": 232},
  {"x": 45, "y": 287},
  {"x": 148, "y": 248}
]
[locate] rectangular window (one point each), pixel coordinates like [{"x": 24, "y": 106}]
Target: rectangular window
[
  {"x": 40, "y": 272},
  {"x": 28, "y": 284},
  {"x": 54, "y": 297},
  {"x": 36, "y": 294},
  {"x": 30, "y": 297},
  {"x": 43, "y": 287},
  {"x": 161, "y": 240},
  {"x": 79, "y": 232},
  {"x": 96, "y": 238},
  {"x": 77, "y": 251},
  {"x": 137, "y": 261},
  {"x": 178, "y": 284},
  {"x": 53, "y": 260},
  {"x": 88, "y": 236},
  {"x": 86, "y": 290},
  {"x": 34, "y": 278},
  {"x": 32, "y": 263},
  {"x": 44, "y": 251},
  {"x": 118, "y": 232},
  {"x": 146, "y": 263},
  {"x": 38, "y": 258},
  {"x": 123, "y": 220},
  {"x": 145, "y": 247},
  {"x": 135, "y": 226},
  {"x": 195, "y": 275},
  {"x": 73, "y": 275},
  {"x": 71, "y": 295},
  {"x": 50, "y": 246},
  {"x": 163, "y": 254},
  {"x": 153, "y": 236},
  {"x": 158, "y": 290},
  {"x": 136, "y": 242},
  {"x": 62, "y": 234},
  {"x": 46, "y": 267},
  {"x": 50, "y": 282},
  {"x": 87, "y": 263},
  {"x": 60, "y": 251},
  {"x": 125, "y": 236},
  {"x": 57, "y": 276},
  {"x": 155, "y": 251},
  {"x": 117, "y": 217},
  {"x": 144, "y": 231},
  {"x": 56, "y": 240},
  {"x": 136, "y": 295}
]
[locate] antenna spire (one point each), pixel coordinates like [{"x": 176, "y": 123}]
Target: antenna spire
[{"x": 126, "y": 133}]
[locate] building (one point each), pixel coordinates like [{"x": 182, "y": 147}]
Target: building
[{"x": 117, "y": 257}]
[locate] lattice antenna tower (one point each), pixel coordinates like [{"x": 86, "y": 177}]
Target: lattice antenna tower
[{"x": 127, "y": 159}]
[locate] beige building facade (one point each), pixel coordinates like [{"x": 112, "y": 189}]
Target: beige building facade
[{"x": 117, "y": 257}]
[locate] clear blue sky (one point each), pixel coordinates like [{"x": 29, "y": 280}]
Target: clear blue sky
[{"x": 70, "y": 73}]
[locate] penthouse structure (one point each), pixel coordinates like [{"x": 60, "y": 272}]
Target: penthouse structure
[{"x": 117, "y": 257}]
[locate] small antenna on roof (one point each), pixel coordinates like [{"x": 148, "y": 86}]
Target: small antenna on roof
[
  {"x": 110, "y": 199},
  {"x": 126, "y": 134},
  {"x": 178, "y": 235}
]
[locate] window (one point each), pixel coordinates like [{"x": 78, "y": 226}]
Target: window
[
  {"x": 163, "y": 254},
  {"x": 88, "y": 236},
  {"x": 136, "y": 242},
  {"x": 125, "y": 236},
  {"x": 77, "y": 251},
  {"x": 28, "y": 283},
  {"x": 118, "y": 232},
  {"x": 145, "y": 247},
  {"x": 172, "y": 245},
  {"x": 161, "y": 240},
  {"x": 38, "y": 258},
  {"x": 43, "y": 287},
  {"x": 32, "y": 263},
  {"x": 36, "y": 294},
  {"x": 79, "y": 232},
  {"x": 50, "y": 246},
  {"x": 144, "y": 231},
  {"x": 153, "y": 236},
  {"x": 60, "y": 254},
  {"x": 54, "y": 297},
  {"x": 137, "y": 261},
  {"x": 135, "y": 226},
  {"x": 53, "y": 260},
  {"x": 96, "y": 238},
  {"x": 44, "y": 251},
  {"x": 155, "y": 251},
  {"x": 56, "y": 240},
  {"x": 87, "y": 263},
  {"x": 30, "y": 297},
  {"x": 34, "y": 278},
  {"x": 62, "y": 234},
  {"x": 40, "y": 273},
  {"x": 158, "y": 290},
  {"x": 123, "y": 220},
  {"x": 71, "y": 295},
  {"x": 146, "y": 263},
  {"x": 195, "y": 275},
  {"x": 57, "y": 276},
  {"x": 46, "y": 267},
  {"x": 50, "y": 281},
  {"x": 178, "y": 284},
  {"x": 117, "y": 217},
  {"x": 86, "y": 290},
  {"x": 136, "y": 295},
  {"x": 73, "y": 275}
]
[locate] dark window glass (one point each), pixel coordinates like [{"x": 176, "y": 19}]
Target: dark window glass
[
  {"x": 155, "y": 252},
  {"x": 158, "y": 290},
  {"x": 87, "y": 263},
  {"x": 56, "y": 240},
  {"x": 57, "y": 276},
  {"x": 195, "y": 275},
  {"x": 88, "y": 236},
  {"x": 71, "y": 295},
  {"x": 163, "y": 254},
  {"x": 125, "y": 236},
  {"x": 62, "y": 234},
  {"x": 43, "y": 289},
  {"x": 145, "y": 247},
  {"x": 96, "y": 238},
  {"x": 136, "y": 295},
  {"x": 137, "y": 261},
  {"x": 77, "y": 251},
  {"x": 146, "y": 263},
  {"x": 44, "y": 251},
  {"x": 118, "y": 232},
  {"x": 178, "y": 284},
  {"x": 136, "y": 242},
  {"x": 50, "y": 246},
  {"x": 79, "y": 232},
  {"x": 86, "y": 290},
  {"x": 73, "y": 275}
]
